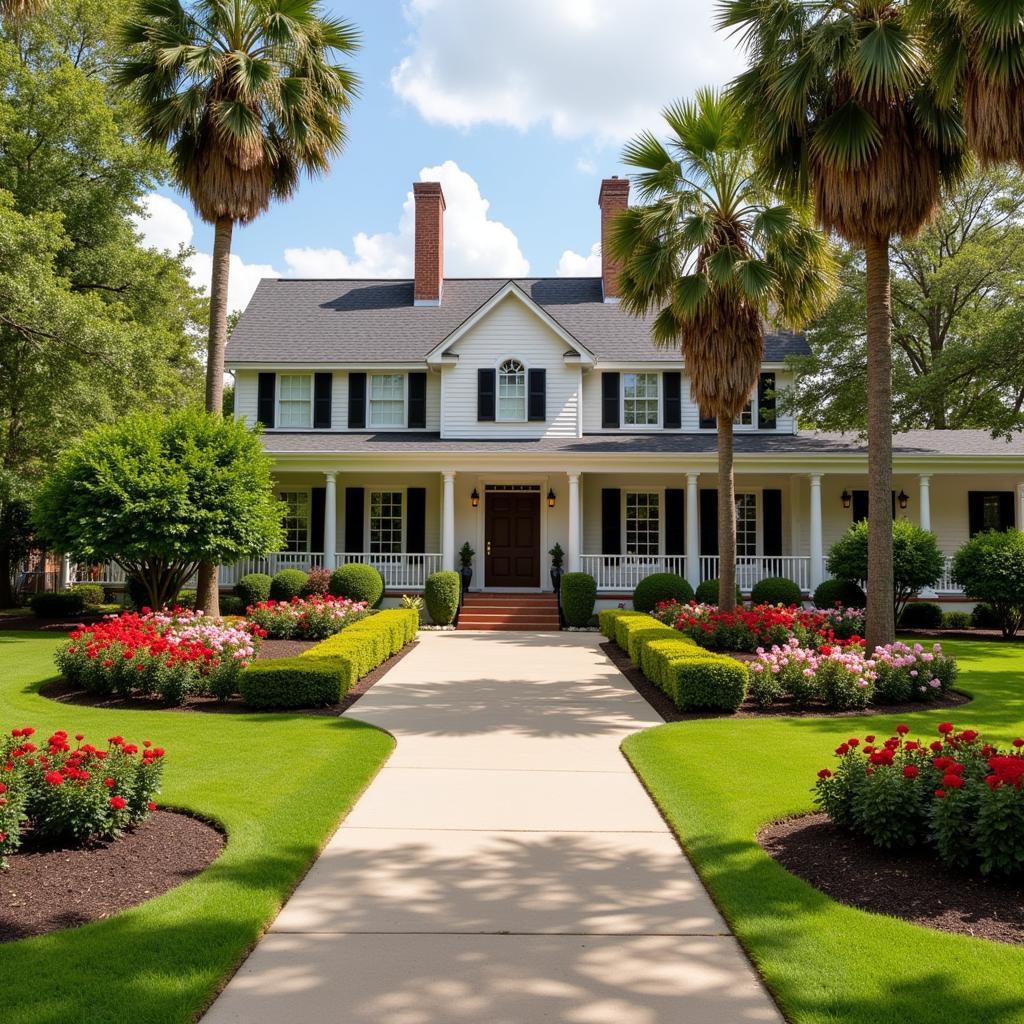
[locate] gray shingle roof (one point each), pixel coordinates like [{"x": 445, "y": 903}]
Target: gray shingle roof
[{"x": 330, "y": 321}]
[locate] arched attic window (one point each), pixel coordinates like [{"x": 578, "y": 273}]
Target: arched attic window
[{"x": 511, "y": 391}]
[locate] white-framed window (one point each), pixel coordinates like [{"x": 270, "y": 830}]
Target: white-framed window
[
  {"x": 640, "y": 399},
  {"x": 386, "y": 522},
  {"x": 387, "y": 399},
  {"x": 296, "y": 520},
  {"x": 747, "y": 415},
  {"x": 746, "y": 524},
  {"x": 511, "y": 391},
  {"x": 643, "y": 522},
  {"x": 295, "y": 400}
]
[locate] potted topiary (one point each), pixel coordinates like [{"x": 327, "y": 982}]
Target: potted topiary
[
  {"x": 466, "y": 554},
  {"x": 557, "y": 560}
]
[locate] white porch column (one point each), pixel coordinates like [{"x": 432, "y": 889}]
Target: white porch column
[
  {"x": 65, "y": 572},
  {"x": 924, "y": 486},
  {"x": 817, "y": 552},
  {"x": 330, "y": 519},
  {"x": 692, "y": 532},
  {"x": 448, "y": 522},
  {"x": 574, "y": 522}
]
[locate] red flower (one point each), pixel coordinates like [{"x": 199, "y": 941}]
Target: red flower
[
  {"x": 869, "y": 739},
  {"x": 824, "y": 774},
  {"x": 910, "y": 771},
  {"x": 3, "y": 787},
  {"x": 968, "y": 735},
  {"x": 853, "y": 741},
  {"x": 903, "y": 729},
  {"x": 946, "y": 728},
  {"x": 53, "y": 778},
  {"x": 1018, "y": 743},
  {"x": 940, "y": 793},
  {"x": 109, "y": 782},
  {"x": 842, "y": 749},
  {"x": 151, "y": 805},
  {"x": 118, "y": 803},
  {"x": 935, "y": 745},
  {"x": 952, "y": 782}
]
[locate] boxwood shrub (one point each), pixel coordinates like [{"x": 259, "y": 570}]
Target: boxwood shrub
[
  {"x": 286, "y": 584},
  {"x": 441, "y": 594},
  {"x": 922, "y": 615},
  {"x": 628, "y": 624},
  {"x": 57, "y": 605},
  {"x": 253, "y": 587},
  {"x": 831, "y": 592},
  {"x": 607, "y": 617},
  {"x": 578, "y": 594},
  {"x": 92, "y": 593},
  {"x": 358, "y": 582},
  {"x": 657, "y": 652},
  {"x": 658, "y": 587},
  {"x": 636, "y": 637},
  {"x": 707, "y": 593},
  {"x": 712, "y": 682},
  {"x": 956, "y": 620},
  {"x": 776, "y": 590}
]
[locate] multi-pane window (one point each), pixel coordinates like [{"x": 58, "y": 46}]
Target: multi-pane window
[
  {"x": 746, "y": 416},
  {"x": 642, "y": 522},
  {"x": 746, "y": 524},
  {"x": 387, "y": 400},
  {"x": 296, "y": 520},
  {"x": 294, "y": 400},
  {"x": 385, "y": 522},
  {"x": 511, "y": 390},
  {"x": 640, "y": 399}
]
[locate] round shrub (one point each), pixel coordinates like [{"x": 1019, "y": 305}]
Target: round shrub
[
  {"x": 318, "y": 582},
  {"x": 984, "y": 616},
  {"x": 253, "y": 588},
  {"x": 92, "y": 593},
  {"x": 358, "y": 582},
  {"x": 185, "y": 599},
  {"x": 829, "y": 593},
  {"x": 231, "y": 604},
  {"x": 922, "y": 615},
  {"x": 441, "y": 594},
  {"x": 286, "y": 584},
  {"x": 658, "y": 587},
  {"x": 775, "y": 590},
  {"x": 57, "y": 605},
  {"x": 579, "y": 592},
  {"x": 956, "y": 620},
  {"x": 707, "y": 593},
  {"x": 990, "y": 568}
]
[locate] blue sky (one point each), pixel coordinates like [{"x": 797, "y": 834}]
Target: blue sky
[{"x": 522, "y": 106}]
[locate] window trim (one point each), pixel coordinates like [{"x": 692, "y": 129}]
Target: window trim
[
  {"x": 624, "y": 529},
  {"x": 758, "y": 522},
  {"x": 368, "y": 518},
  {"x": 308, "y": 491},
  {"x": 623, "y": 425},
  {"x": 278, "y": 377},
  {"x": 498, "y": 418},
  {"x": 370, "y": 425},
  {"x": 752, "y": 425}
]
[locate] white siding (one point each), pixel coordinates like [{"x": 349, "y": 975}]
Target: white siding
[{"x": 510, "y": 330}]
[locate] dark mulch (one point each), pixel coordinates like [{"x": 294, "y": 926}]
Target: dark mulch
[
  {"x": 914, "y": 886},
  {"x": 749, "y": 708},
  {"x": 65, "y": 693},
  {"x": 45, "y": 889}
]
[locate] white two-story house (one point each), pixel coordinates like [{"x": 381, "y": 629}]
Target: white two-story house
[{"x": 406, "y": 417}]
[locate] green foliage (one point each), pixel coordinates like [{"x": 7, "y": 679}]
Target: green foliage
[
  {"x": 59, "y": 605},
  {"x": 658, "y": 587},
  {"x": 318, "y": 583},
  {"x": 636, "y": 638},
  {"x": 707, "y": 592},
  {"x": 578, "y": 594},
  {"x": 466, "y": 554},
  {"x": 990, "y": 568},
  {"x": 286, "y": 584},
  {"x": 831, "y": 592},
  {"x": 956, "y": 620},
  {"x": 295, "y": 682},
  {"x": 358, "y": 582},
  {"x": 984, "y": 616},
  {"x": 231, "y": 604},
  {"x": 253, "y": 588},
  {"x": 92, "y": 593},
  {"x": 713, "y": 682},
  {"x": 776, "y": 590},
  {"x": 608, "y": 617},
  {"x": 557, "y": 556},
  {"x": 916, "y": 559},
  {"x": 922, "y": 615},
  {"x": 185, "y": 599},
  {"x": 626, "y": 625},
  {"x": 158, "y": 495},
  {"x": 441, "y": 594}
]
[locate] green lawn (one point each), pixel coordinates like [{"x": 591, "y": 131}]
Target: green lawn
[
  {"x": 718, "y": 781},
  {"x": 278, "y": 783}
]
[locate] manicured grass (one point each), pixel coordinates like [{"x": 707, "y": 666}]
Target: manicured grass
[
  {"x": 719, "y": 781},
  {"x": 278, "y": 783}
]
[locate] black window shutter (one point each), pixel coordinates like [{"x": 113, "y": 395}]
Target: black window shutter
[
  {"x": 708, "y": 422},
  {"x": 860, "y": 506},
  {"x": 323, "y": 386},
  {"x": 771, "y": 521},
  {"x": 1007, "y": 517},
  {"x": 357, "y": 402},
  {"x": 766, "y": 402},
  {"x": 610, "y": 400},
  {"x": 416, "y": 520},
  {"x": 485, "y": 387},
  {"x": 265, "y": 389},
  {"x": 672, "y": 418},
  {"x": 537, "y": 390},
  {"x": 975, "y": 512},
  {"x": 709, "y": 521},
  {"x": 611, "y": 520},
  {"x": 417, "y": 400},
  {"x": 316, "y": 519},
  {"x": 675, "y": 520},
  {"x": 354, "y": 501}
]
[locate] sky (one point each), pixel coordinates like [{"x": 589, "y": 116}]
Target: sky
[{"x": 518, "y": 107}]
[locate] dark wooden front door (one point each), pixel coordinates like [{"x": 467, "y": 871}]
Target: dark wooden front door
[{"x": 513, "y": 539}]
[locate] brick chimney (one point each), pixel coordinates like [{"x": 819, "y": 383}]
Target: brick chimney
[
  {"x": 613, "y": 199},
  {"x": 429, "y": 256}
]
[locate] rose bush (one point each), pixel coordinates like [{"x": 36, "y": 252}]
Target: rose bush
[
  {"x": 839, "y": 677},
  {"x": 312, "y": 618},
  {"x": 68, "y": 793},
  {"x": 167, "y": 654},
  {"x": 960, "y": 796},
  {"x": 912, "y": 673}
]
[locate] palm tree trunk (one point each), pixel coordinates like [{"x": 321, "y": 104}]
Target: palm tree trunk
[
  {"x": 207, "y": 596},
  {"x": 726, "y": 518},
  {"x": 880, "y": 627}
]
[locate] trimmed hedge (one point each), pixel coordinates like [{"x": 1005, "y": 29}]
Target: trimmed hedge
[
  {"x": 658, "y": 587},
  {"x": 578, "y": 595},
  {"x": 92, "y": 593},
  {"x": 656, "y": 653},
  {"x": 441, "y": 595},
  {"x": 776, "y": 590},
  {"x": 253, "y": 587},
  {"x": 607, "y": 618},
  {"x": 641, "y": 635},
  {"x": 922, "y": 615},
  {"x": 358, "y": 582},
  {"x": 57, "y": 605},
  {"x": 286, "y": 584},
  {"x": 829, "y": 593},
  {"x": 707, "y": 593},
  {"x": 957, "y": 620}
]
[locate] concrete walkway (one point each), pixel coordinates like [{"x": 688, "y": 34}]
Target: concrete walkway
[{"x": 505, "y": 867}]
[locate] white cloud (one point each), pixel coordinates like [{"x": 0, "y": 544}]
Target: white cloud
[
  {"x": 596, "y": 68},
  {"x": 585, "y": 165},
  {"x": 162, "y": 223},
  {"x": 572, "y": 264},
  {"x": 242, "y": 277}
]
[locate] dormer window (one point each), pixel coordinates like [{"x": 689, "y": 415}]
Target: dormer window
[
  {"x": 387, "y": 399},
  {"x": 512, "y": 391},
  {"x": 295, "y": 400}
]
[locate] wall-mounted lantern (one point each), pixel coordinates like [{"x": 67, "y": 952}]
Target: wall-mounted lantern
[
  {"x": 902, "y": 498},
  {"x": 474, "y": 498},
  {"x": 847, "y": 498},
  {"x": 551, "y": 498}
]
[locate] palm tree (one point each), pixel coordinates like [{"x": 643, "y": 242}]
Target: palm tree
[
  {"x": 246, "y": 96},
  {"x": 842, "y": 103},
  {"x": 15, "y": 11},
  {"x": 713, "y": 252}
]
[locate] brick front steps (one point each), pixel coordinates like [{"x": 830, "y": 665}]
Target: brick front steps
[{"x": 531, "y": 612}]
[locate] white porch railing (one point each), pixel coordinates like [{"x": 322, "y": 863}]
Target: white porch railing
[
  {"x": 751, "y": 569},
  {"x": 945, "y": 584},
  {"x": 400, "y": 571},
  {"x": 624, "y": 572}
]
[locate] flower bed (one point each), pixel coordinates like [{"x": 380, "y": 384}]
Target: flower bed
[
  {"x": 167, "y": 654},
  {"x": 66, "y": 793},
  {"x": 959, "y": 796},
  {"x": 312, "y": 618}
]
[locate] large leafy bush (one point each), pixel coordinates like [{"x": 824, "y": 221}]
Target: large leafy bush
[
  {"x": 313, "y": 618},
  {"x": 286, "y": 584},
  {"x": 990, "y": 568},
  {"x": 775, "y": 590},
  {"x": 441, "y": 594},
  {"x": 658, "y": 587},
  {"x": 358, "y": 582},
  {"x": 578, "y": 595},
  {"x": 253, "y": 587},
  {"x": 832, "y": 592}
]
